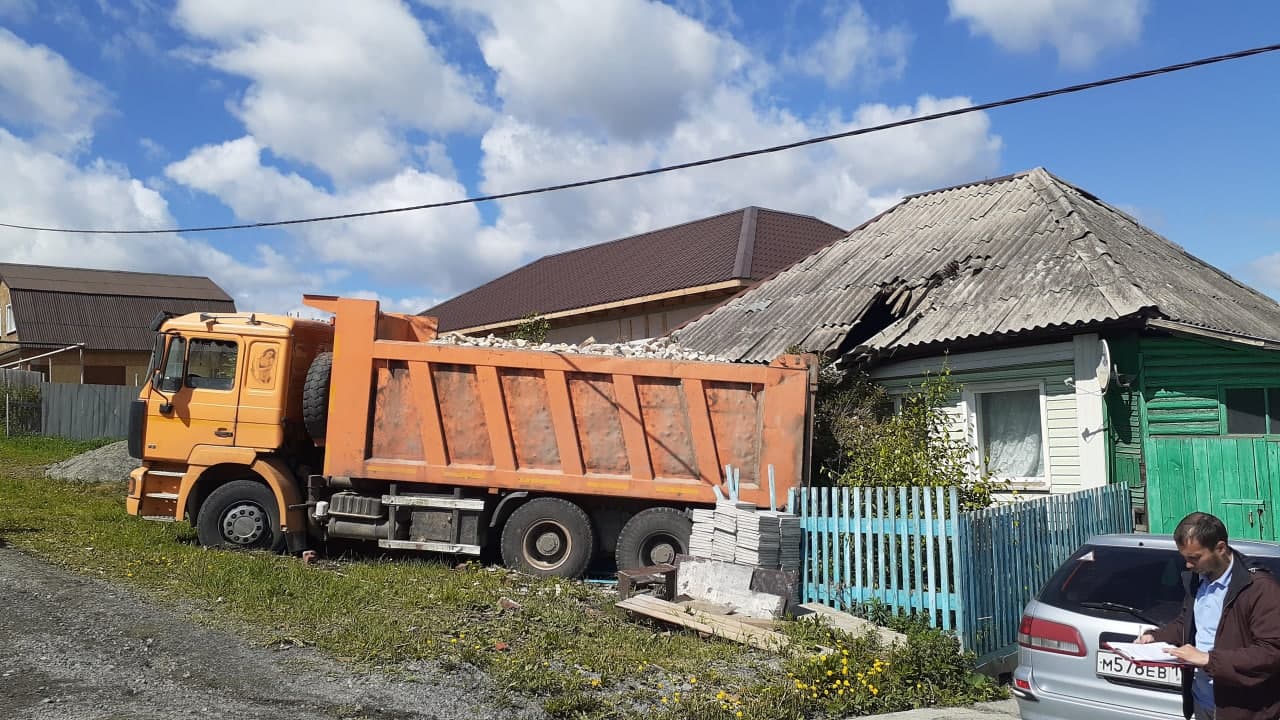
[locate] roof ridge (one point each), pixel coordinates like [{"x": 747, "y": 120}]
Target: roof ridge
[
  {"x": 101, "y": 270},
  {"x": 1177, "y": 247},
  {"x": 606, "y": 243},
  {"x": 633, "y": 236},
  {"x": 1043, "y": 182},
  {"x": 974, "y": 183}
]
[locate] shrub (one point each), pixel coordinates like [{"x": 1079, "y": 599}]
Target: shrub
[
  {"x": 863, "y": 677},
  {"x": 533, "y": 329},
  {"x": 860, "y": 441}
]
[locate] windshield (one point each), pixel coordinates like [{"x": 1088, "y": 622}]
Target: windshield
[{"x": 1149, "y": 580}]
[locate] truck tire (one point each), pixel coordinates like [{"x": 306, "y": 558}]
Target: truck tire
[
  {"x": 548, "y": 537},
  {"x": 652, "y": 537},
  {"x": 315, "y": 396},
  {"x": 240, "y": 515}
]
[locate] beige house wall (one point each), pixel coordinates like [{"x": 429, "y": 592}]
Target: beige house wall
[
  {"x": 5, "y": 331},
  {"x": 65, "y": 367},
  {"x": 625, "y": 325}
]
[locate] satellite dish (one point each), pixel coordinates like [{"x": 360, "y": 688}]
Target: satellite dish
[{"x": 1103, "y": 372}]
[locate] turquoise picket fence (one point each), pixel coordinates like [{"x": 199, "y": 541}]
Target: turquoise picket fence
[{"x": 913, "y": 550}]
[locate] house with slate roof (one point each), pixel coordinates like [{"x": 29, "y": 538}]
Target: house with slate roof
[
  {"x": 106, "y": 312},
  {"x": 640, "y": 286},
  {"x": 1088, "y": 348}
]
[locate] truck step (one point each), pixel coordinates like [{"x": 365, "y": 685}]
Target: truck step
[
  {"x": 159, "y": 518},
  {"x": 163, "y": 495},
  {"x": 167, "y": 473},
  {"x": 434, "y": 501},
  {"x": 440, "y": 547}
]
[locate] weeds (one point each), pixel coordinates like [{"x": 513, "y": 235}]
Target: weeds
[{"x": 561, "y": 642}]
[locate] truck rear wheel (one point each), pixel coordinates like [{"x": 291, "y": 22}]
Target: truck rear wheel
[
  {"x": 548, "y": 537},
  {"x": 315, "y": 396},
  {"x": 241, "y": 515},
  {"x": 652, "y": 537}
]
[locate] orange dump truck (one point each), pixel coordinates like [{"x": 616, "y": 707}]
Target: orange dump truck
[{"x": 271, "y": 432}]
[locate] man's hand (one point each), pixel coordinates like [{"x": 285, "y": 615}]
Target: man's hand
[
  {"x": 1189, "y": 653},
  {"x": 1144, "y": 638}
]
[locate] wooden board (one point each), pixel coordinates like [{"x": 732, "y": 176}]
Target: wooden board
[{"x": 725, "y": 626}]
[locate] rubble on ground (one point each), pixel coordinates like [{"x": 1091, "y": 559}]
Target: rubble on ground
[
  {"x": 658, "y": 348},
  {"x": 109, "y": 463}
]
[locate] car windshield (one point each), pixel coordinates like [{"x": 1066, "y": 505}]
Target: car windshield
[{"x": 1148, "y": 580}]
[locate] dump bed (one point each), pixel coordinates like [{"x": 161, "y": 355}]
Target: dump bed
[{"x": 402, "y": 408}]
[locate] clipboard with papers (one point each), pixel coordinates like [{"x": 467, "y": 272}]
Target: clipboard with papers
[{"x": 1147, "y": 654}]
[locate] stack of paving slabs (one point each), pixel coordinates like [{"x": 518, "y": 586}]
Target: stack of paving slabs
[
  {"x": 790, "y": 536},
  {"x": 724, "y": 543},
  {"x": 704, "y": 529},
  {"x": 758, "y": 538}
]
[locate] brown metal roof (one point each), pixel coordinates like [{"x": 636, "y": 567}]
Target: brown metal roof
[
  {"x": 109, "y": 282},
  {"x": 1017, "y": 254},
  {"x": 747, "y": 244},
  {"x": 105, "y": 309}
]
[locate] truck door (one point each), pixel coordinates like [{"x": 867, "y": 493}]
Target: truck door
[{"x": 199, "y": 382}]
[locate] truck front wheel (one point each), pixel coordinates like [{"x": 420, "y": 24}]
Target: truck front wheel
[
  {"x": 242, "y": 515},
  {"x": 653, "y": 536},
  {"x": 548, "y": 537}
]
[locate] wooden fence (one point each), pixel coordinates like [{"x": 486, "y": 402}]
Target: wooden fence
[
  {"x": 31, "y": 406},
  {"x": 85, "y": 412},
  {"x": 912, "y": 550}
]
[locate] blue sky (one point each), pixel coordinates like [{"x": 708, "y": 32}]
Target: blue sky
[{"x": 134, "y": 113}]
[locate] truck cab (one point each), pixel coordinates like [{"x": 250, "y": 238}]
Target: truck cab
[{"x": 223, "y": 406}]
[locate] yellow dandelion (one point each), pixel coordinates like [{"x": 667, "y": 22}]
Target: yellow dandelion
[
  {"x": 693, "y": 681},
  {"x": 595, "y": 682},
  {"x": 664, "y": 700},
  {"x": 738, "y": 714}
]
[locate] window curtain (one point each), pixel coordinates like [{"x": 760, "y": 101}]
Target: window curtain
[{"x": 1012, "y": 445}]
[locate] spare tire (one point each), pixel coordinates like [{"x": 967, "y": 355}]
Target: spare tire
[{"x": 315, "y": 396}]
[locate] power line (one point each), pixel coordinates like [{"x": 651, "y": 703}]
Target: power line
[{"x": 685, "y": 166}]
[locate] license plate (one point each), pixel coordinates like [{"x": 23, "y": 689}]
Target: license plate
[{"x": 1112, "y": 665}]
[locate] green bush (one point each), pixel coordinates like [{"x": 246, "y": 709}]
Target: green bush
[
  {"x": 19, "y": 410},
  {"x": 863, "y": 677},
  {"x": 860, "y": 441},
  {"x": 533, "y": 328}
]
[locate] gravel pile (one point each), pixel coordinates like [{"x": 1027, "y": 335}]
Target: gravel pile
[
  {"x": 109, "y": 463},
  {"x": 660, "y": 348}
]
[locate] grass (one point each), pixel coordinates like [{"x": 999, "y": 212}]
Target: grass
[{"x": 565, "y": 645}]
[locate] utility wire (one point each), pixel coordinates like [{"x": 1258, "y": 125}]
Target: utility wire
[{"x": 685, "y": 166}]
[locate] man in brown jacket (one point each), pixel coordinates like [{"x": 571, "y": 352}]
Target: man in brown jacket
[{"x": 1229, "y": 628}]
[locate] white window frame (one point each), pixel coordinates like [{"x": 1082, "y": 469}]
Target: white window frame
[
  {"x": 971, "y": 399},
  {"x": 10, "y": 327}
]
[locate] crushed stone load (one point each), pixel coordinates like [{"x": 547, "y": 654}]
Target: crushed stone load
[
  {"x": 658, "y": 348},
  {"x": 109, "y": 463}
]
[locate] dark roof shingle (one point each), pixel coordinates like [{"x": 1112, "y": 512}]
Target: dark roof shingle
[
  {"x": 701, "y": 252},
  {"x": 1009, "y": 255},
  {"x": 104, "y": 309}
]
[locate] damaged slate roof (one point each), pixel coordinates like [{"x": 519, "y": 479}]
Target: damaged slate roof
[
  {"x": 104, "y": 309},
  {"x": 995, "y": 258},
  {"x": 747, "y": 244}
]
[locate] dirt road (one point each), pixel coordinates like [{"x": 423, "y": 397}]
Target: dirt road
[{"x": 72, "y": 647}]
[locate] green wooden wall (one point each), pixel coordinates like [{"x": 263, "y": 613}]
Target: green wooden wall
[{"x": 1190, "y": 462}]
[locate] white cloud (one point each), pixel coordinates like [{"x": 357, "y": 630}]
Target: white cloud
[
  {"x": 334, "y": 84},
  {"x": 34, "y": 189},
  {"x": 842, "y": 182},
  {"x": 856, "y": 47},
  {"x": 41, "y": 92},
  {"x": 629, "y": 68},
  {"x": 442, "y": 249},
  {"x": 1264, "y": 273},
  {"x": 1078, "y": 29}
]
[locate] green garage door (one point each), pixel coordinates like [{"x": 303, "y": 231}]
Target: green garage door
[{"x": 1234, "y": 478}]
